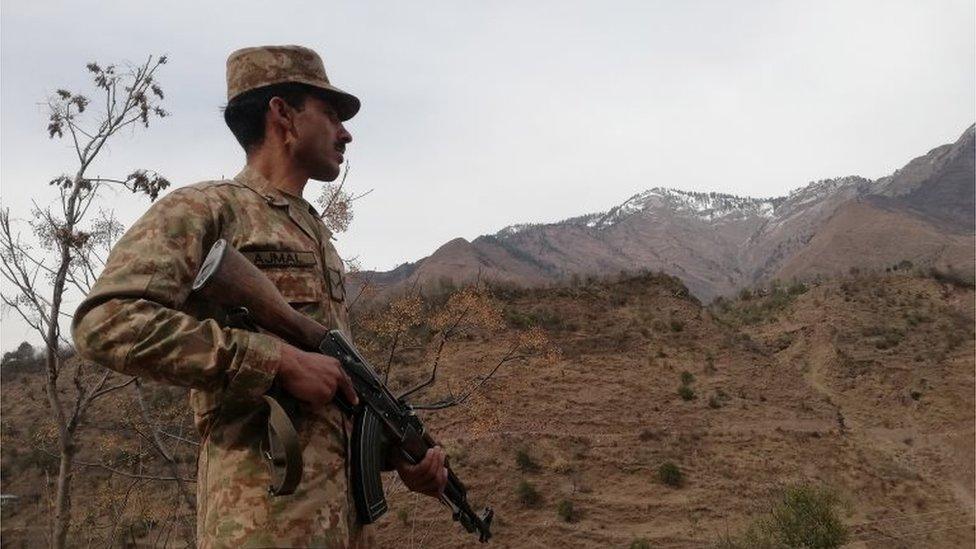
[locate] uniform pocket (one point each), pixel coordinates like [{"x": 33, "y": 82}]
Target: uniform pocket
[{"x": 299, "y": 286}]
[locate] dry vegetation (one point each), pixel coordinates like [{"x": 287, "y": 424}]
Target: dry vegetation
[{"x": 850, "y": 401}]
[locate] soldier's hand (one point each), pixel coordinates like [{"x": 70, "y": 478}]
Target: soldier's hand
[
  {"x": 427, "y": 477},
  {"x": 312, "y": 377}
]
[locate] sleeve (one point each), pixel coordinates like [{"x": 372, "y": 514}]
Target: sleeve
[{"x": 131, "y": 320}]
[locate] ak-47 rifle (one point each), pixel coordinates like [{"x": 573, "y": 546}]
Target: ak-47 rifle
[{"x": 380, "y": 420}]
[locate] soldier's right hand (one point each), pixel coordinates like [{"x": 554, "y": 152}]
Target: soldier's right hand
[{"x": 312, "y": 377}]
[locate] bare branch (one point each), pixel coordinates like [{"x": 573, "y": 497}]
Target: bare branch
[
  {"x": 132, "y": 475},
  {"x": 107, "y": 390},
  {"x": 362, "y": 290},
  {"x": 160, "y": 447},
  {"x": 179, "y": 438}
]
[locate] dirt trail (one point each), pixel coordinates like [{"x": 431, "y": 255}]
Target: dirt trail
[{"x": 947, "y": 448}]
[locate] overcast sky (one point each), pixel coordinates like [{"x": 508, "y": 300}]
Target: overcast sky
[{"x": 477, "y": 115}]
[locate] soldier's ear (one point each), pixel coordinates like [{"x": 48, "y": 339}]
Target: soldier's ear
[{"x": 282, "y": 116}]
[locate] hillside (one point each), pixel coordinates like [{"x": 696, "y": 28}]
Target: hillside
[
  {"x": 717, "y": 243},
  {"x": 863, "y": 384}
]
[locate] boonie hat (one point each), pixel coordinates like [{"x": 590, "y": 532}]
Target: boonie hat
[{"x": 252, "y": 68}]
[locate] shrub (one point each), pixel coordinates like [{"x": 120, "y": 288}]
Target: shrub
[
  {"x": 561, "y": 466},
  {"x": 686, "y": 393},
  {"x": 566, "y": 511},
  {"x": 886, "y": 337},
  {"x": 677, "y": 325},
  {"x": 524, "y": 461},
  {"x": 916, "y": 318},
  {"x": 889, "y": 340},
  {"x": 640, "y": 543},
  {"x": 687, "y": 378},
  {"x": 403, "y": 515},
  {"x": 714, "y": 402},
  {"x": 804, "y": 516},
  {"x": 458, "y": 454},
  {"x": 669, "y": 473},
  {"x": 527, "y": 494},
  {"x": 528, "y": 319},
  {"x": 797, "y": 288},
  {"x": 649, "y": 434}
]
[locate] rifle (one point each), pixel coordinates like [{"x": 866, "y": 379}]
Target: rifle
[{"x": 380, "y": 420}]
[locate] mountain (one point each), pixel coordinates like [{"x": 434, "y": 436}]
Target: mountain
[{"x": 718, "y": 243}]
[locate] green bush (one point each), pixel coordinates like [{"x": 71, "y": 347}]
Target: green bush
[
  {"x": 527, "y": 319},
  {"x": 891, "y": 339},
  {"x": 804, "y": 516},
  {"x": 677, "y": 325},
  {"x": 886, "y": 337},
  {"x": 687, "y": 378},
  {"x": 669, "y": 473},
  {"x": 566, "y": 511},
  {"x": 686, "y": 393},
  {"x": 761, "y": 306},
  {"x": 524, "y": 461},
  {"x": 797, "y": 288},
  {"x": 527, "y": 494},
  {"x": 640, "y": 543}
]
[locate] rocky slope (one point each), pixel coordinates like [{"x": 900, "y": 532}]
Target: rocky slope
[{"x": 719, "y": 243}]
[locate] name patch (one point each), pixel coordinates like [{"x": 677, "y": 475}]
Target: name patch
[{"x": 272, "y": 259}]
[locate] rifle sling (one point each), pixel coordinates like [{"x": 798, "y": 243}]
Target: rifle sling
[{"x": 282, "y": 450}]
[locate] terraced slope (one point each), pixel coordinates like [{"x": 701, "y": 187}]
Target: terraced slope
[{"x": 863, "y": 384}]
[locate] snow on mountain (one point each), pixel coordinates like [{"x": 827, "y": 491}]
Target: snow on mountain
[
  {"x": 818, "y": 190},
  {"x": 710, "y": 207}
]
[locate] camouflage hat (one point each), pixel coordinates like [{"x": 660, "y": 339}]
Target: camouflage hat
[{"x": 252, "y": 68}]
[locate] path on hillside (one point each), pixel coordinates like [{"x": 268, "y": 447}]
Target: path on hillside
[{"x": 817, "y": 346}]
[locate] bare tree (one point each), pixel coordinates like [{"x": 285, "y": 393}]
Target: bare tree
[
  {"x": 70, "y": 246},
  {"x": 411, "y": 323},
  {"x": 336, "y": 203}
]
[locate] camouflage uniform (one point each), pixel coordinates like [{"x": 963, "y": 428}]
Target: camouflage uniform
[{"x": 140, "y": 319}]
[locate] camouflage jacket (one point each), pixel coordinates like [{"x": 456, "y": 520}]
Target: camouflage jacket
[{"x": 140, "y": 319}]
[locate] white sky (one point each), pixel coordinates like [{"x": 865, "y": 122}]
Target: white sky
[{"x": 477, "y": 115}]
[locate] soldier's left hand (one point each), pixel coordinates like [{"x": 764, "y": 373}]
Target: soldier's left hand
[{"x": 427, "y": 477}]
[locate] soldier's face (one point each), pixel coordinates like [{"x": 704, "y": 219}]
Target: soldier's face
[{"x": 320, "y": 139}]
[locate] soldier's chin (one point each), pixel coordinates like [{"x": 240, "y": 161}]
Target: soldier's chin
[{"x": 326, "y": 175}]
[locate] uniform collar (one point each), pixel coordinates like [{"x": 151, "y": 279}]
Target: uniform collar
[{"x": 252, "y": 179}]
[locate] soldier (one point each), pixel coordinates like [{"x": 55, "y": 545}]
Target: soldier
[{"x": 141, "y": 319}]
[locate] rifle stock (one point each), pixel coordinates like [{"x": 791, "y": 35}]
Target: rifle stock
[{"x": 228, "y": 279}]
